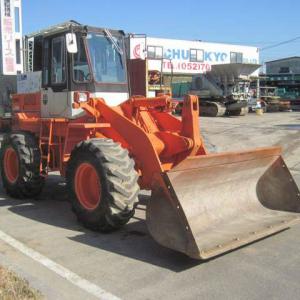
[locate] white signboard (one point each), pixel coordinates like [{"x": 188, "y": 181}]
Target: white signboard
[
  {"x": 189, "y": 57},
  {"x": 29, "y": 82},
  {"x": 138, "y": 47},
  {"x": 8, "y": 41}
]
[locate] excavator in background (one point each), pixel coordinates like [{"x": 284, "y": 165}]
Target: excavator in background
[
  {"x": 78, "y": 119},
  {"x": 225, "y": 90}
]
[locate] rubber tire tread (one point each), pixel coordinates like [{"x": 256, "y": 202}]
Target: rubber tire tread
[
  {"x": 119, "y": 184},
  {"x": 30, "y": 182}
]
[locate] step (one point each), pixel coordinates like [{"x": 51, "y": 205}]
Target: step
[{"x": 52, "y": 144}]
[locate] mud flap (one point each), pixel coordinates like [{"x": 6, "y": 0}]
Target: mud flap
[{"x": 208, "y": 205}]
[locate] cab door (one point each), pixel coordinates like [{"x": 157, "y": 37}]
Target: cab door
[{"x": 55, "y": 92}]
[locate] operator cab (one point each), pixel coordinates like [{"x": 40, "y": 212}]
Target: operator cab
[{"x": 72, "y": 57}]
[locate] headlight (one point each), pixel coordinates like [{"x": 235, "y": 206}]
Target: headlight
[{"x": 81, "y": 97}]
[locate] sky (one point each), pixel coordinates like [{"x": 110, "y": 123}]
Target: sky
[{"x": 260, "y": 23}]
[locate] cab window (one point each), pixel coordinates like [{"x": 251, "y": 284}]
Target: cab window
[
  {"x": 46, "y": 63},
  {"x": 58, "y": 61}
]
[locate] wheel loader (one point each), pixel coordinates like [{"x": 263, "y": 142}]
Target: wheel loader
[{"x": 80, "y": 122}]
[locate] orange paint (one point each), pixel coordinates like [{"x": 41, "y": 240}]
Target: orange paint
[
  {"x": 87, "y": 186},
  {"x": 155, "y": 139},
  {"x": 11, "y": 165}
]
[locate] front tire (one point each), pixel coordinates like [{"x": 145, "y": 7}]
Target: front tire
[
  {"x": 20, "y": 165},
  {"x": 102, "y": 183}
]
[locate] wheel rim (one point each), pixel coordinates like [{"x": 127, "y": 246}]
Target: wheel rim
[
  {"x": 87, "y": 186},
  {"x": 11, "y": 165}
]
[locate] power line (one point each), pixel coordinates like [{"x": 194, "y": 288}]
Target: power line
[{"x": 279, "y": 44}]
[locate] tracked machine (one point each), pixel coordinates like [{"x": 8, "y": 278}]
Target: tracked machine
[
  {"x": 80, "y": 122},
  {"x": 271, "y": 102},
  {"x": 224, "y": 90}
]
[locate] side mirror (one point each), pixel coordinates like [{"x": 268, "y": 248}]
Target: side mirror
[{"x": 71, "y": 42}]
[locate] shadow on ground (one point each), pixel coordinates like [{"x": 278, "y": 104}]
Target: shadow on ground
[
  {"x": 133, "y": 240},
  {"x": 289, "y": 126}
]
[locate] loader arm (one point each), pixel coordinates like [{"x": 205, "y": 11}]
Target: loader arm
[
  {"x": 156, "y": 140},
  {"x": 140, "y": 144}
]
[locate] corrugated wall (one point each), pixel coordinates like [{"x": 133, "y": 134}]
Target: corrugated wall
[{"x": 277, "y": 67}]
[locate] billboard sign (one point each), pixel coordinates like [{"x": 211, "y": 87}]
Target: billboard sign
[
  {"x": 189, "y": 57},
  {"x": 138, "y": 47},
  {"x": 8, "y": 46}
]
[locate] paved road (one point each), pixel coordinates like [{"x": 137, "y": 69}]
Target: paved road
[{"x": 130, "y": 265}]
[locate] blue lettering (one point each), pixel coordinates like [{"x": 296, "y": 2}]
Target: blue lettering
[
  {"x": 223, "y": 56},
  {"x": 217, "y": 55},
  {"x": 185, "y": 54},
  {"x": 168, "y": 54},
  {"x": 207, "y": 56},
  {"x": 182, "y": 54},
  {"x": 176, "y": 53}
]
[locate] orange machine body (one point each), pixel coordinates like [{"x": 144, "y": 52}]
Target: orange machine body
[
  {"x": 155, "y": 139},
  {"x": 201, "y": 204}
]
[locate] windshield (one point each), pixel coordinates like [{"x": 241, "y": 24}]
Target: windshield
[{"x": 106, "y": 59}]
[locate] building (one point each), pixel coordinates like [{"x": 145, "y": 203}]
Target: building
[
  {"x": 11, "y": 61},
  {"x": 285, "y": 75},
  {"x": 11, "y": 57},
  {"x": 178, "y": 60},
  {"x": 289, "y": 65},
  {"x": 184, "y": 57},
  {"x": 284, "y": 72}
]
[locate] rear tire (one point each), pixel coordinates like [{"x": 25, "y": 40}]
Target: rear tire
[
  {"x": 102, "y": 183},
  {"x": 20, "y": 165}
]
